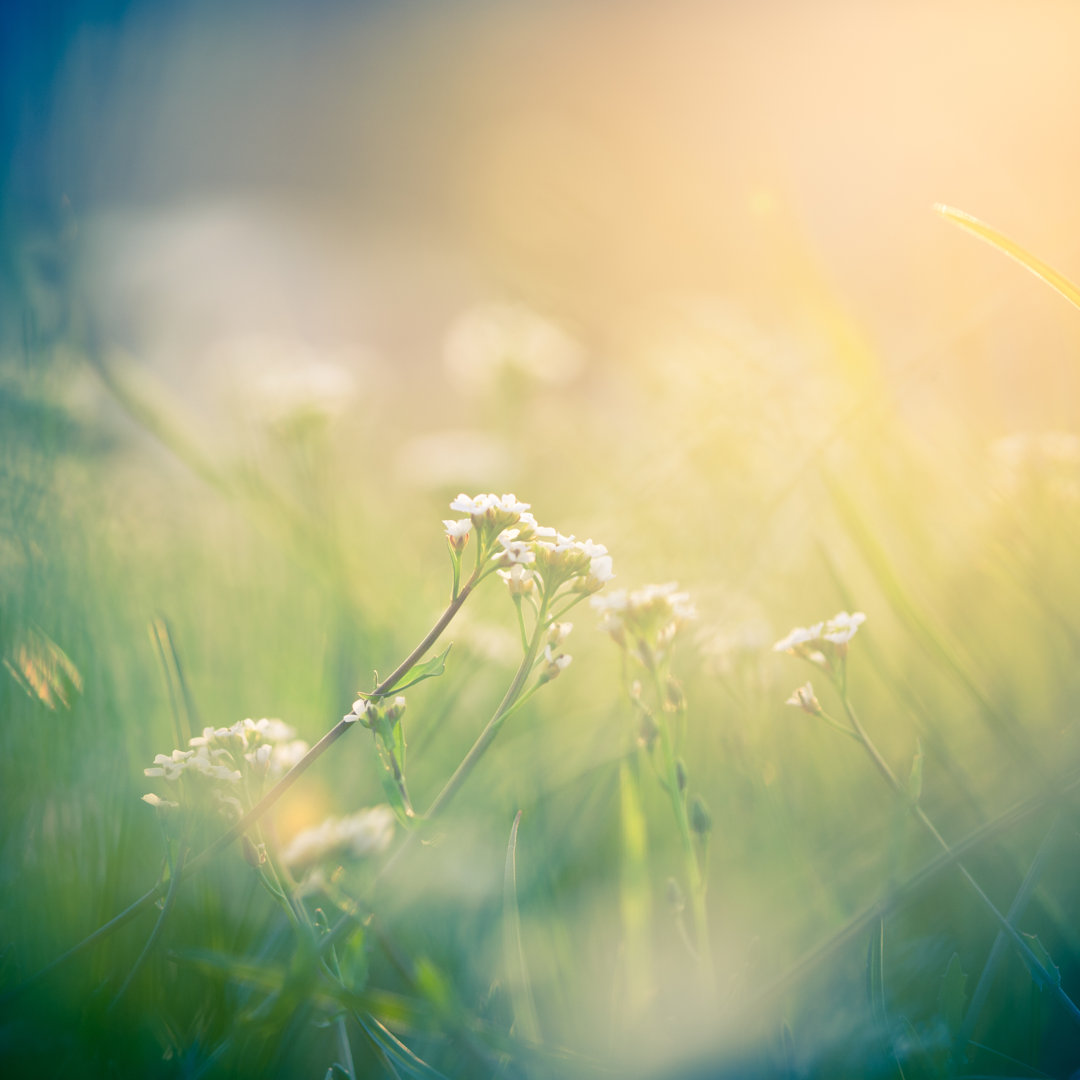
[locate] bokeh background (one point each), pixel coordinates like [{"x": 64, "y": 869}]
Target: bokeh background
[{"x": 278, "y": 281}]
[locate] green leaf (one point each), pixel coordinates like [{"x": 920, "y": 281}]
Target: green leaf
[
  {"x": 952, "y": 995},
  {"x": 429, "y": 669},
  {"x": 526, "y": 1023},
  {"x": 1051, "y": 976}
]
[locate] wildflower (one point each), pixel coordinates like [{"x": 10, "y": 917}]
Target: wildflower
[
  {"x": 648, "y": 617},
  {"x": 804, "y": 698},
  {"x": 457, "y": 533},
  {"x": 367, "y": 832},
  {"x": 553, "y": 665},
  {"x": 225, "y": 753},
  {"x": 518, "y": 580},
  {"x": 840, "y": 629},
  {"x": 801, "y": 635},
  {"x": 488, "y": 341},
  {"x": 558, "y": 632},
  {"x": 359, "y": 712},
  {"x": 157, "y": 802}
]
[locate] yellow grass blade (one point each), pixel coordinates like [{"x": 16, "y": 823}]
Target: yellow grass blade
[{"x": 1028, "y": 261}]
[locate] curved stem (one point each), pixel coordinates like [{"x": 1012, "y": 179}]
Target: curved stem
[
  {"x": 239, "y": 827},
  {"x": 1007, "y": 927}
]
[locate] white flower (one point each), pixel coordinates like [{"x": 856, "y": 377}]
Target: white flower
[
  {"x": 367, "y": 832},
  {"x": 286, "y": 755},
  {"x": 465, "y": 504},
  {"x": 841, "y": 628},
  {"x": 805, "y": 699},
  {"x": 649, "y": 616},
  {"x": 518, "y": 580},
  {"x": 158, "y": 803},
  {"x": 359, "y": 708},
  {"x": 515, "y": 552},
  {"x": 801, "y": 635},
  {"x": 458, "y": 530}
]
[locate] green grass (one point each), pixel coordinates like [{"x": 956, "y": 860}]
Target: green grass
[{"x": 549, "y": 923}]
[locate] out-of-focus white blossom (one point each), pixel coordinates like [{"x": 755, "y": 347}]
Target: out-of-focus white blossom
[
  {"x": 367, "y": 832},
  {"x": 519, "y": 580},
  {"x": 842, "y": 628},
  {"x": 489, "y": 340},
  {"x": 457, "y": 533},
  {"x": 644, "y": 619},
  {"x": 257, "y": 747},
  {"x": 805, "y": 699}
]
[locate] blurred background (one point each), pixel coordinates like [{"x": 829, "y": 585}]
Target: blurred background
[{"x": 278, "y": 281}]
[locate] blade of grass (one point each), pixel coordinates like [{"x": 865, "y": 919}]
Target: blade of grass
[
  {"x": 526, "y": 1023},
  {"x": 1059, "y": 283}
]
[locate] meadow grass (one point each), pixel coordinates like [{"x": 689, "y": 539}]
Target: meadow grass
[{"x": 655, "y": 861}]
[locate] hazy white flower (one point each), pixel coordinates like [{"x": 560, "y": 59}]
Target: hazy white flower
[
  {"x": 648, "y": 617},
  {"x": 157, "y": 802},
  {"x": 490, "y": 339},
  {"x": 841, "y": 628},
  {"x": 518, "y": 580},
  {"x": 801, "y": 635},
  {"x": 367, "y": 832},
  {"x": 805, "y": 699}
]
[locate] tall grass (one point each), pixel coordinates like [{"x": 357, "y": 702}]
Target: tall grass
[{"x": 648, "y": 865}]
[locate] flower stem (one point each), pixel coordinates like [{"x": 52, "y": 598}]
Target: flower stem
[
  {"x": 239, "y": 827},
  {"x": 694, "y": 876},
  {"x": 1032, "y": 961}
]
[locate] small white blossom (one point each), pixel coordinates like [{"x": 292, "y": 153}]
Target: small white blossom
[
  {"x": 805, "y": 699},
  {"x": 801, "y": 635},
  {"x": 457, "y": 532},
  {"x": 359, "y": 709},
  {"x": 649, "y": 617},
  {"x": 841, "y": 628},
  {"x": 518, "y": 580},
  {"x": 367, "y": 832},
  {"x": 157, "y": 802}
]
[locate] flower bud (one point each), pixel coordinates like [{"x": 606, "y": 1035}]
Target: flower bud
[
  {"x": 700, "y": 818},
  {"x": 252, "y": 855},
  {"x": 680, "y": 775}
]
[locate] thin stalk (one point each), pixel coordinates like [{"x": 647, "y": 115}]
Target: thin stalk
[
  {"x": 882, "y": 766},
  {"x": 694, "y": 876},
  {"x": 155, "y": 934},
  {"x": 1016, "y": 910},
  {"x": 238, "y": 828}
]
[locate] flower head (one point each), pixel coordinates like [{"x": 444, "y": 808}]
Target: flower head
[
  {"x": 646, "y": 619},
  {"x": 804, "y": 698},
  {"x": 367, "y": 832},
  {"x": 823, "y": 642},
  {"x": 457, "y": 533}
]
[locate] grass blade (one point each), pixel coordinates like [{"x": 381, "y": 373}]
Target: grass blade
[
  {"x": 526, "y": 1024},
  {"x": 1060, "y": 284}
]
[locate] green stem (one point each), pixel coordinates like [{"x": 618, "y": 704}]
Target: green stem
[
  {"x": 1010, "y": 931},
  {"x": 238, "y": 828},
  {"x": 694, "y": 875}
]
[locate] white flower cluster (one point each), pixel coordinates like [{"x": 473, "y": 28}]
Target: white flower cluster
[
  {"x": 260, "y": 746},
  {"x": 647, "y": 618},
  {"x": 367, "y": 832},
  {"x": 807, "y": 640},
  {"x": 529, "y": 554}
]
